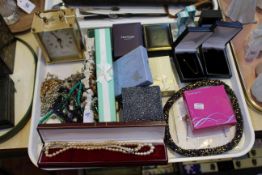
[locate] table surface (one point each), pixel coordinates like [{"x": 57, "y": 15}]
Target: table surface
[{"x": 20, "y": 140}]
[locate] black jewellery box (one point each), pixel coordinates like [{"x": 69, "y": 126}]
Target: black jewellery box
[
  {"x": 209, "y": 17},
  {"x": 6, "y": 102},
  {"x": 7, "y": 59},
  {"x": 186, "y": 53},
  {"x": 7, "y": 49},
  {"x": 214, "y": 54}
]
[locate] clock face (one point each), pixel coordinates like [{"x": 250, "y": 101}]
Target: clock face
[{"x": 59, "y": 44}]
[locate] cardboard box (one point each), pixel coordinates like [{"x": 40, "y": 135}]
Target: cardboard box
[
  {"x": 142, "y": 104},
  {"x": 126, "y": 37},
  {"x": 209, "y": 107},
  {"x": 132, "y": 70},
  {"x": 105, "y": 77},
  {"x": 157, "y": 37},
  {"x": 163, "y": 75}
]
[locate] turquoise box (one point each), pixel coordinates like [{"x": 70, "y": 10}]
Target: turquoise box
[{"x": 105, "y": 77}]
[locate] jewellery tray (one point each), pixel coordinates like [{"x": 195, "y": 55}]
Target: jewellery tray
[
  {"x": 215, "y": 61},
  {"x": 246, "y": 143},
  {"x": 186, "y": 55},
  {"x": 245, "y": 68},
  {"x": 64, "y": 70},
  {"x": 138, "y": 132},
  {"x": 143, "y": 132}
]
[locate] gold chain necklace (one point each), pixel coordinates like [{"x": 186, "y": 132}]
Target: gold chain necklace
[{"x": 123, "y": 147}]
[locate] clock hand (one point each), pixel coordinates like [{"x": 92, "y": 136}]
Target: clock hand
[
  {"x": 52, "y": 33},
  {"x": 59, "y": 40},
  {"x": 60, "y": 43}
]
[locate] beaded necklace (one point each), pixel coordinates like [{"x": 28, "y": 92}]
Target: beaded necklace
[{"x": 208, "y": 151}]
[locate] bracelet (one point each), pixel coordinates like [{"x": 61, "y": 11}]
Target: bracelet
[{"x": 207, "y": 151}]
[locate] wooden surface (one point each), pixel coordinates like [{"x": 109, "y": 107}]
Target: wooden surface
[
  {"x": 247, "y": 68},
  {"x": 20, "y": 140},
  {"x": 25, "y": 20}
]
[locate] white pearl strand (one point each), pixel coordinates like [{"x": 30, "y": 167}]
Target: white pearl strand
[{"x": 122, "y": 147}]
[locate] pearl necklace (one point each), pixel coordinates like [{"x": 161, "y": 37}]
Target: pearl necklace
[{"x": 123, "y": 147}]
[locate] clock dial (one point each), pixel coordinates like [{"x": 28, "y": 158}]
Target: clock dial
[{"x": 59, "y": 44}]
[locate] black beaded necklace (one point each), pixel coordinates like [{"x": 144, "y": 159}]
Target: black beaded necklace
[{"x": 207, "y": 151}]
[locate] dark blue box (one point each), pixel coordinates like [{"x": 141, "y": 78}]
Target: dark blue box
[
  {"x": 186, "y": 53},
  {"x": 214, "y": 53}
]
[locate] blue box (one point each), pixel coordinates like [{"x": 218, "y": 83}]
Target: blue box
[{"x": 132, "y": 70}]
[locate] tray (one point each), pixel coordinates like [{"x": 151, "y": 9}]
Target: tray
[
  {"x": 64, "y": 70},
  {"x": 246, "y": 69}
]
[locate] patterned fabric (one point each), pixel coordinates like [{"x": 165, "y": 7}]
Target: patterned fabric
[{"x": 6, "y": 35}]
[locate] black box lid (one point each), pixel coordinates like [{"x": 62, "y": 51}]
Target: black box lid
[
  {"x": 6, "y": 36},
  {"x": 126, "y": 37},
  {"x": 224, "y": 32},
  {"x": 7, "y": 59},
  {"x": 192, "y": 38},
  {"x": 209, "y": 17}
]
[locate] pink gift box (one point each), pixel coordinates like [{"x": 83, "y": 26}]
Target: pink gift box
[{"x": 209, "y": 107}]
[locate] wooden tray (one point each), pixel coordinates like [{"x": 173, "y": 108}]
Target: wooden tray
[
  {"x": 246, "y": 69},
  {"x": 25, "y": 20}
]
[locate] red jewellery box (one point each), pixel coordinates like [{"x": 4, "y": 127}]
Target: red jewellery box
[{"x": 79, "y": 145}]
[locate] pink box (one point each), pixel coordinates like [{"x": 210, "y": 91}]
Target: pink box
[{"x": 209, "y": 107}]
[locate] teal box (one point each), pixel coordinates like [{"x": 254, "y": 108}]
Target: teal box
[{"x": 105, "y": 77}]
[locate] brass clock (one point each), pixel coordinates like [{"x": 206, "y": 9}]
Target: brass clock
[{"x": 58, "y": 35}]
